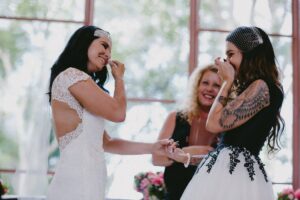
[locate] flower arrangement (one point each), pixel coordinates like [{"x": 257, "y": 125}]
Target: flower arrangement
[
  {"x": 3, "y": 188},
  {"x": 150, "y": 184},
  {"x": 289, "y": 194}
]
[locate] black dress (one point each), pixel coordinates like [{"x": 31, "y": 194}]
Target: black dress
[
  {"x": 177, "y": 176},
  {"x": 234, "y": 170}
]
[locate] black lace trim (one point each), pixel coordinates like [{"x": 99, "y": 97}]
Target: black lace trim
[
  {"x": 262, "y": 168},
  {"x": 234, "y": 161},
  {"x": 213, "y": 155}
]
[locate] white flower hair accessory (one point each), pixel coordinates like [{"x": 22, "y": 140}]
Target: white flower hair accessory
[{"x": 101, "y": 33}]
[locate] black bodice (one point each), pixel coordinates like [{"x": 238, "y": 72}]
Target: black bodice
[
  {"x": 253, "y": 134},
  {"x": 249, "y": 138}
]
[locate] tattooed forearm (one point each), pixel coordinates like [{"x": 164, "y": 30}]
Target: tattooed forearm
[{"x": 249, "y": 103}]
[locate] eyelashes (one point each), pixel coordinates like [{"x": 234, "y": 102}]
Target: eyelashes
[{"x": 105, "y": 46}]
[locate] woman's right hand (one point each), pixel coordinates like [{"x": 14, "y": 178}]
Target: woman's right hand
[
  {"x": 117, "y": 69},
  {"x": 225, "y": 70}
]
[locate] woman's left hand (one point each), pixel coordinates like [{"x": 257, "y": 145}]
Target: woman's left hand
[
  {"x": 178, "y": 155},
  {"x": 162, "y": 146}
]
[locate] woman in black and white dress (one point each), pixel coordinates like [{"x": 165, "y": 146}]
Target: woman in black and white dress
[{"x": 247, "y": 112}]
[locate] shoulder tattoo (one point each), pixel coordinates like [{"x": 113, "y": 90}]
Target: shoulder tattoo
[{"x": 249, "y": 103}]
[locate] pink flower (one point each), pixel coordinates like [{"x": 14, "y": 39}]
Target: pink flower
[
  {"x": 297, "y": 193},
  {"x": 157, "y": 181},
  {"x": 150, "y": 184},
  {"x": 144, "y": 184},
  {"x": 287, "y": 191}
]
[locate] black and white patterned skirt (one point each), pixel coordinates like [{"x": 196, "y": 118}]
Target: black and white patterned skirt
[{"x": 230, "y": 173}]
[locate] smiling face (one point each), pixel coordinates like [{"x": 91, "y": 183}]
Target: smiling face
[
  {"x": 99, "y": 53},
  {"x": 234, "y": 55},
  {"x": 208, "y": 88}
]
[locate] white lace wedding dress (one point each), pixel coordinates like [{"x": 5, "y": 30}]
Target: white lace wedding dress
[{"x": 81, "y": 171}]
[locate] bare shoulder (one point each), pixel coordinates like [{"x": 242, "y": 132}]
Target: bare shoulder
[
  {"x": 172, "y": 114},
  {"x": 171, "y": 118},
  {"x": 168, "y": 126}
]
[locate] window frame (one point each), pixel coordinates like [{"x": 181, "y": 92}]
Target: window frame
[
  {"x": 193, "y": 62},
  {"x": 195, "y": 30}
]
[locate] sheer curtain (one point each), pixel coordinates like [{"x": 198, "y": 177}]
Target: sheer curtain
[{"x": 33, "y": 126}]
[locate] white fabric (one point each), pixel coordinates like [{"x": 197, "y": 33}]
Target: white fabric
[
  {"x": 60, "y": 88},
  {"x": 81, "y": 171},
  {"x": 219, "y": 184}
]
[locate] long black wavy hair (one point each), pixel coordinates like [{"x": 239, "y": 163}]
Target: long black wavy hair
[
  {"x": 75, "y": 55},
  {"x": 260, "y": 63}
]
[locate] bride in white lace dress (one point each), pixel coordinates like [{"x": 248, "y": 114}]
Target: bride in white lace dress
[{"x": 80, "y": 105}]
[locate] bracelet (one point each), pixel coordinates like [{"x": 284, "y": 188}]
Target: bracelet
[
  {"x": 119, "y": 79},
  {"x": 223, "y": 100},
  {"x": 188, "y": 160}
]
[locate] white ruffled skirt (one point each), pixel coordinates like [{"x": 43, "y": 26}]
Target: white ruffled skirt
[{"x": 220, "y": 184}]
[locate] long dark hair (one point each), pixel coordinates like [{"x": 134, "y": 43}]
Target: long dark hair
[
  {"x": 260, "y": 63},
  {"x": 75, "y": 55}
]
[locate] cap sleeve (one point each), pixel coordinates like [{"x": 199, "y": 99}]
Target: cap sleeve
[{"x": 72, "y": 76}]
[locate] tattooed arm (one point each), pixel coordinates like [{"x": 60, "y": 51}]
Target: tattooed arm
[{"x": 228, "y": 116}]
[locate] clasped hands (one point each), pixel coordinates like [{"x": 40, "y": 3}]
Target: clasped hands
[{"x": 170, "y": 149}]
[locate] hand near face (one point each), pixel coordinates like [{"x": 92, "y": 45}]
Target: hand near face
[
  {"x": 117, "y": 69},
  {"x": 225, "y": 70}
]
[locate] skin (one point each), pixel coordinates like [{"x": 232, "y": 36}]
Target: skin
[
  {"x": 99, "y": 53},
  {"x": 245, "y": 106},
  {"x": 89, "y": 95},
  {"x": 92, "y": 98},
  {"x": 208, "y": 88},
  {"x": 234, "y": 55}
]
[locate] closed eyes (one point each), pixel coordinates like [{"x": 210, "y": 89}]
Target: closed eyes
[{"x": 105, "y": 46}]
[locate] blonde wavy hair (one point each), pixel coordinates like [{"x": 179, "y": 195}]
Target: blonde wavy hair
[{"x": 191, "y": 106}]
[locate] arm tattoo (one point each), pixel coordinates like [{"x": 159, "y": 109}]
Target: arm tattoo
[
  {"x": 249, "y": 103},
  {"x": 223, "y": 100}
]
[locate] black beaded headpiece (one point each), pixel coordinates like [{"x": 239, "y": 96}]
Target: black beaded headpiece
[{"x": 245, "y": 38}]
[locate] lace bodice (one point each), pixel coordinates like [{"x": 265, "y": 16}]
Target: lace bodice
[
  {"x": 60, "y": 91},
  {"x": 60, "y": 88},
  {"x": 80, "y": 173}
]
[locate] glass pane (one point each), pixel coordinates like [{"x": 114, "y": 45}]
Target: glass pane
[
  {"x": 52, "y": 9},
  {"x": 152, "y": 39},
  {"x": 27, "y": 51},
  {"x": 272, "y": 16},
  {"x": 211, "y": 46},
  {"x": 278, "y": 166},
  {"x": 143, "y": 123}
]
